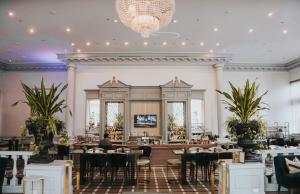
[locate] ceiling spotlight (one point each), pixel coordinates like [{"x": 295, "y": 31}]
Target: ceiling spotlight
[
  {"x": 107, "y": 43},
  {"x": 211, "y": 50},
  {"x": 145, "y": 43},
  {"x": 72, "y": 44},
  {"x": 115, "y": 20},
  {"x": 217, "y": 44},
  {"x": 270, "y": 14},
  {"x": 126, "y": 43},
  {"x": 201, "y": 43},
  {"x": 216, "y": 29},
  {"x": 68, "y": 30},
  {"x": 284, "y": 31},
  {"x": 31, "y": 30},
  {"x": 250, "y": 30},
  {"x": 183, "y": 43},
  {"x": 174, "y": 21},
  {"x": 88, "y": 44},
  {"x": 164, "y": 43},
  {"x": 9, "y": 60},
  {"x": 11, "y": 14},
  {"x": 78, "y": 50}
]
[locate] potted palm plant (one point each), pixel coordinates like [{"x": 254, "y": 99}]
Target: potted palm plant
[
  {"x": 44, "y": 104},
  {"x": 245, "y": 104}
]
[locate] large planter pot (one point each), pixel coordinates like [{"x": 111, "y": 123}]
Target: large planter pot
[
  {"x": 43, "y": 156},
  {"x": 246, "y": 144}
]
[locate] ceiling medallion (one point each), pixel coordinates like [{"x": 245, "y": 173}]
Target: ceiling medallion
[{"x": 145, "y": 16}]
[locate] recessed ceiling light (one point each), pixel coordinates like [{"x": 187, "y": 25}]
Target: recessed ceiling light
[
  {"x": 164, "y": 43},
  {"x": 115, "y": 20},
  {"x": 88, "y": 44},
  {"x": 216, "y": 29},
  {"x": 9, "y": 60},
  {"x": 11, "y": 14},
  {"x": 211, "y": 50},
  {"x": 72, "y": 44},
  {"x": 126, "y": 43},
  {"x": 107, "y": 43},
  {"x": 284, "y": 31},
  {"x": 68, "y": 30},
  {"x": 250, "y": 30},
  {"x": 217, "y": 44},
  {"x": 145, "y": 43},
  {"x": 174, "y": 21},
  {"x": 270, "y": 14},
  {"x": 78, "y": 50},
  {"x": 183, "y": 43},
  {"x": 31, "y": 30},
  {"x": 201, "y": 43}
]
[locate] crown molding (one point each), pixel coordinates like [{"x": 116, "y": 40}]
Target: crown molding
[
  {"x": 139, "y": 58},
  {"x": 35, "y": 67},
  {"x": 254, "y": 67},
  {"x": 293, "y": 64}
]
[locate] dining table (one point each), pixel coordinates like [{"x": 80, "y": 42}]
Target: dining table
[
  {"x": 133, "y": 155},
  {"x": 189, "y": 156}
]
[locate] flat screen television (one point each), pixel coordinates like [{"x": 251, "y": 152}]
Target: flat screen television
[{"x": 145, "y": 121}]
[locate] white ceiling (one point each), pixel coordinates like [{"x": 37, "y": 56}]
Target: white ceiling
[{"x": 93, "y": 21}]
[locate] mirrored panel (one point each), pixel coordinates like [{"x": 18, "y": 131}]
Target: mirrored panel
[
  {"x": 176, "y": 121},
  {"x": 93, "y": 116},
  {"x": 115, "y": 120},
  {"x": 197, "y": 118}
]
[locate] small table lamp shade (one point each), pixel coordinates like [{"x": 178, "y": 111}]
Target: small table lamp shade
[{"x": 33, "y": 185}]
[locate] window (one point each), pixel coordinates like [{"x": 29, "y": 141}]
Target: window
[
  {"x": 197, "y": 114},
  {"x": 93, "y": 115},
  {"x": 177, "y": 110},
  {"x": 295, "y": 103},
  {"x": 113, "y": 109}
]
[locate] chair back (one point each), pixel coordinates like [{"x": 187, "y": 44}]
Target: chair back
[
  {"x": 146, "y": 151},
  {"x": 98, "y": 160},
  {"x": 118, "y": 160},
  {"x": 62, "y": 151},
  {"x": 225, "y": 155},
  {"x": 106, "y": 147}
]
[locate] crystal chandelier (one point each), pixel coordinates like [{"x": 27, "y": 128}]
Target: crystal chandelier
[{"x": 145, "y": 16}]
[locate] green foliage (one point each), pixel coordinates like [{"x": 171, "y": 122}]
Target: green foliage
[
  {"x": 119, "y": 121},
  {"x": 44, "y": 105},
  {"x": 244, "y": 103},
  {"x": 171, "y": 121},
  {"x": 64, "y": 138}
]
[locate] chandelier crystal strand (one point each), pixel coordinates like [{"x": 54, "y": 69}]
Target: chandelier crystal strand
[{"x": 145, "y": 16}]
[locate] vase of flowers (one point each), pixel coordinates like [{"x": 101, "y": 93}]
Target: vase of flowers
[
  {"x": 246, "y": 126},
  {"x": 44, "y": 104}
]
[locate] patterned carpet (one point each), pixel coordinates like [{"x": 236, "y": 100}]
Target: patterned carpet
[{"x": 158, "y": 184}]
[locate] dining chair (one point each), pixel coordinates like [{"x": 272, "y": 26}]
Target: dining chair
[
  {"x": 63, "y": 151},
  {"x": 173, "y": 163},
  {"x": 144, "y": 161},
  {"x": 98, "y": 160},
  {"x": 116, "y": 161}
]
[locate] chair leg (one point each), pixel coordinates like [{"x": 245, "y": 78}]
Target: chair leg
[
  {"x": 167, "y": 172},
  {"x": 149, "y": 172},
  {"x": 196, "y": 178},
  {"x": 278, "y": 188}
]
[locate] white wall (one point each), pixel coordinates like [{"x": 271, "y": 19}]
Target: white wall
[
  {"x": 294, "y": 74},
  {"x": 199, "y": 77},
  {"x": 14, "y": 117},
  {"x": 89, "y": 77},
  {"x": 278, "y": 97}
]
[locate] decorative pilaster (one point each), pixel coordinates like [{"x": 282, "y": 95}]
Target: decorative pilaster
[
  {"x": 219, "y": 86},
  {"x": 71, "y": 98}
]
